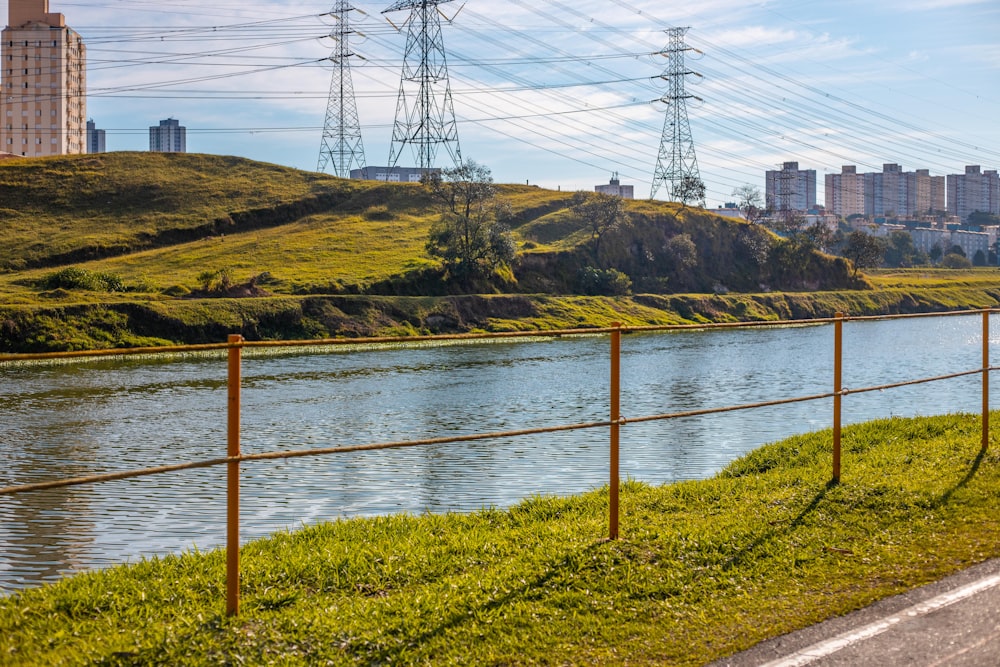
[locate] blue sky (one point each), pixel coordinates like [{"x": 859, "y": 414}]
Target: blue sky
[{"x": 562, "y": 94}]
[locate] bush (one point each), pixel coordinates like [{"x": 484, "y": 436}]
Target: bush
[
  {"x": 955, "y": 261},
  {"x": 593, "y": 281},
  {"x": 76, "y": 278},
  {"x": 380, "y": 212}
]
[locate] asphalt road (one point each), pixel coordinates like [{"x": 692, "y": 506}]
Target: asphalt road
[{"x": 953, "y": 622}]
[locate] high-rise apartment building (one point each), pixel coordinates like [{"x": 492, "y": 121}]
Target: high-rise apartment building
[
  {"x": 790, "y": 189},
  {"x": 885, "y": 192},
  {"x": 891, "y": 192},
  {"x": 168, "y": 137},
  {"x": 973, "y": 191},
  {"x": 845, "y": 192},
  {"x": 925, "y": 194},
  {"x": 43, "y": 108},
  {"x": 95, "y": 138}
]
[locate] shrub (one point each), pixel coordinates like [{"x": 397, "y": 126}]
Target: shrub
[
  {"x": 380, "y": 212},
  {"x": 76, "y": 278},
  {"x": 955, "y": 261},
  {"x": 603, "y": 282}
]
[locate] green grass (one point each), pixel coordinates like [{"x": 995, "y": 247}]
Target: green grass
[
  {"x": 116, "y": 199},
  {"x": 704, "y": 569}
]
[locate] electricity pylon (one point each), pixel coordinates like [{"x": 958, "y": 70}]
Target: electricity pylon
[
  {"x": 425, "y": 113},
  {"x": 341, "y": 146},
  {"x": 677, "y": 160}
]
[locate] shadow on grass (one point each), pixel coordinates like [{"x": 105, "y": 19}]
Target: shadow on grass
[
  {"x": 743, "y": 555},
  {"x": 946, "y": 497},
  {"x": 388, "y": 655}
]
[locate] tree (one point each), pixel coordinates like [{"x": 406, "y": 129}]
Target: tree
[
  {"x": 981, "y": 219},
  {"x": 955, "y": 261},
  {"x": 901, "y": 252},
  {"x": 471, "y": 237},
  {"x": 816, "y": 235},
  {"x": 602, "y": 212},
  {"x": 864, "y": 250},
  {"x": 936, "y": 253},
  {"x": 689, "y": 189},
  {"x": 750, "y": 203},
  {"x": 683, "y": 251}
]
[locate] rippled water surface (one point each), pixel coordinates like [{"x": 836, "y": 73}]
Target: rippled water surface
[{"x": 76, "y": 419}]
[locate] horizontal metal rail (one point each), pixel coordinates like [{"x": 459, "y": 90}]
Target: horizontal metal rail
[{"x": 475, "y": 437}]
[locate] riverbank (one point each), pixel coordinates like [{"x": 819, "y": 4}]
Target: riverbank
[
  {"x": 704, "y": 569},
  {"x": 68, "y": 324}
]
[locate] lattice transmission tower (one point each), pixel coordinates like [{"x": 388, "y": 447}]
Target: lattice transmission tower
[
  {"x": 425, "y": 113},
  {"x": 677, "y": 160},
  {"x": 341, "y": 147}
]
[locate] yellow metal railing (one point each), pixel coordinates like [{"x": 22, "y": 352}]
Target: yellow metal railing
[{"x": 234, "y": 457}]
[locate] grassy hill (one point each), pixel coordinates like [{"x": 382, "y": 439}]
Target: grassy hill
[
  {"x": 110, "y": 250},
  {"x": 160, "y": 220}
]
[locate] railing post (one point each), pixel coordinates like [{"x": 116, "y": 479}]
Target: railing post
[
  {"x": 233, "y": 478},
  {"x": 838, "y": 367},
  {"x": 986, "y": 379},
  {"x": 616, "y": 345}
]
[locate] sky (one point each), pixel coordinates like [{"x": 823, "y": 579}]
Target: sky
[{"x": 563, "y": 94}]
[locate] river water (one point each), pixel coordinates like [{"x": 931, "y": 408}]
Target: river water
[{"x": 72, "y": 419}]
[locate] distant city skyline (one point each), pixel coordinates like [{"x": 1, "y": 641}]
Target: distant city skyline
[{"x": 560, "y": 95}]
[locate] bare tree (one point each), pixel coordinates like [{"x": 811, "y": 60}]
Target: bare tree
[{"x": 750, "y": 203}]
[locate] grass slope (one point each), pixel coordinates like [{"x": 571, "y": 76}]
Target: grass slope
[
  {"x": 120, "y": 199},
  {"x": 704, "y": 569}
]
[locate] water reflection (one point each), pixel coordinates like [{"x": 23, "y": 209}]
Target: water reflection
[{"x": 121, "y": 414}]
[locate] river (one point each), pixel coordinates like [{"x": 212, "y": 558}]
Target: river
[{"x": 70, "y": 419}]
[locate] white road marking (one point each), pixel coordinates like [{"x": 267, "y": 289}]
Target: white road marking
[{"x": 825, "y": 648}]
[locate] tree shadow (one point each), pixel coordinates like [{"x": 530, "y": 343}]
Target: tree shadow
[
  {"x": 742, "y": 555},
  {"x": 946, "y": 496},
  {"x": 388, "y": 655}
]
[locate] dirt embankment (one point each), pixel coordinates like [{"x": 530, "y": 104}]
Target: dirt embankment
[{"x": 194, "y": 321}]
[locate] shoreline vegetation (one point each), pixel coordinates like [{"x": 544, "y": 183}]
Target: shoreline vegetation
[
  {"x": 704, "y": 569},
  {"x": 110, "y": 324}
]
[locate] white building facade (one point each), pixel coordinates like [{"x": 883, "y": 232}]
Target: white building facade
[
  {"x": 845, "y": 192},
  {"x": 791, "y": 188},
  {"x": 975, "y": 190},
  {"x": 43, "y": 107},
  {"x": 616, "y": 188},
  {"x": 168, "y": 137}
]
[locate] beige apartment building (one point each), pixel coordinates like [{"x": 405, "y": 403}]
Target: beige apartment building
[{"x": 43, "y": 108}]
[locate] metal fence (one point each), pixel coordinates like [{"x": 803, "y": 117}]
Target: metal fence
[{"x": 615, "y": 422}]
